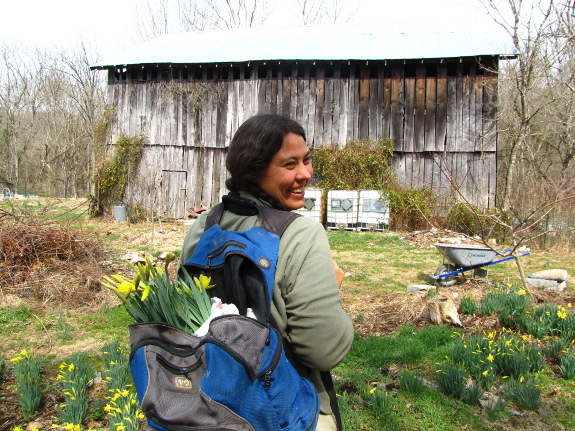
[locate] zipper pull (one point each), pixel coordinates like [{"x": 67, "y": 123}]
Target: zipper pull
[
  {"x": 267, "y": 379},
  {"x": 185, "y": 372}
]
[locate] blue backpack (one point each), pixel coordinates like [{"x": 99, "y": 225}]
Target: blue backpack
[{"x": 236, "y": 377}]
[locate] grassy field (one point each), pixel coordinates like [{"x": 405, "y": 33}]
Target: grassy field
[{"x": 392, "y": 337}]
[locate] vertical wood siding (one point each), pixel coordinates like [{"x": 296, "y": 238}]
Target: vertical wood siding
[{"x": 440, "y": 115}]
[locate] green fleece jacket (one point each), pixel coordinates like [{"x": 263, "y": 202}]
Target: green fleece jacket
[{"x": 306, "y": 305}]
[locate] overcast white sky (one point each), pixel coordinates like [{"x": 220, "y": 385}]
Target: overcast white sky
[{"x": 110, "y": 25}]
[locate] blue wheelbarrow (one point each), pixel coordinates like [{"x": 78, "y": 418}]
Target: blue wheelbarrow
[{"x": 466, "y": 257}]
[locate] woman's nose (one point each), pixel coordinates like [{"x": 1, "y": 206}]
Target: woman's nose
[{"x": 305, "y": 171}]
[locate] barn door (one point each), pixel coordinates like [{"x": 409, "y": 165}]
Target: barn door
[{"x": 174, "y": 192}]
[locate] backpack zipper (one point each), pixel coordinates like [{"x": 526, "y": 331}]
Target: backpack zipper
[
  {"x": 178, "y": 370},
  {"x": 266, "y": 376}
]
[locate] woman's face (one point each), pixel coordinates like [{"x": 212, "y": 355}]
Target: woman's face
[{"x": 288, "y": 173}]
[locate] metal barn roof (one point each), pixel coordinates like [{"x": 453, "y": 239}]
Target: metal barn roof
[{"x": 348, "y": 42}]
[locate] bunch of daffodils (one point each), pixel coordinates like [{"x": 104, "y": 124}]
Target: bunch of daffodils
[{"x": 151, "y": 296}]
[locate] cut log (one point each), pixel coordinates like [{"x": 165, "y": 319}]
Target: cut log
[{"x": 442, "y": 310}]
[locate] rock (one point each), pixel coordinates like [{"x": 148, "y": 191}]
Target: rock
[
  {"x": 35, "y": 425},
  {"x": 451, "y": 240},
  {"x": 550, "y": 274},
  {"x": 166, "y": 254},
  {"x": 135, "y": 257},
  {"x": 442, "y": 310},
  {"x": 489, "y": 401},
  {"x": 420, "y": 288},
  {"x": 428, "y": 383},
  {"x": 559, "y": 288},
  {"x": 547, "y": 284}
]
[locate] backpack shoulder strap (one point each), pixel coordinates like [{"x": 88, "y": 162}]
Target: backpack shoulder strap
[
  {"x": 276, "y": 221},
  {"x": 272, "y": 219}
]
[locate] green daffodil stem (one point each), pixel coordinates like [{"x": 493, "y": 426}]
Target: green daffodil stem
[{"x": 117, "y": 292}]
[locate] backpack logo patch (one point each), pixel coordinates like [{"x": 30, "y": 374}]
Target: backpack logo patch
[{"x": 183, "y": 383}]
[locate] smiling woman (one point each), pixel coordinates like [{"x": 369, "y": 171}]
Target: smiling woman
[{"x": 270, "y": 166}]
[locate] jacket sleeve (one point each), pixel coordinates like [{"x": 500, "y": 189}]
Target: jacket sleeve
[
  {"x": 192, "y": 238},
  {"x": 318, "y": 329}
]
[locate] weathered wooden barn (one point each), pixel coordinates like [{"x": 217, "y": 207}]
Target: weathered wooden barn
[{"x": 433, "y": 93}]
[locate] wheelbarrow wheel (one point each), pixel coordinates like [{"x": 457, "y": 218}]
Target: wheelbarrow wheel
[{"x": 445, "y": 268}]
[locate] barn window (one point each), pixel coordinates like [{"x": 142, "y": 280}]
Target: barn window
[
  {"x": 312, "y": 71},
  {"x": 262, "y": 72},
  {"x": 409, "y": 70},
  {"x": 452, "y": 69},
  {"x": 329, "y": 70},
  {"x": 344, "y": 71},
  {"x": 356, "y": 70},
  {"x": 300, "y": 71},
  {"x": 373, "y": 70},
  {"x": 224, "y": 73},
  {"x": 198, "y": 73},
  {"x": 431, "y": 70}
]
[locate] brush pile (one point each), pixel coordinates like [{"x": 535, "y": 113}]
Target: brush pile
[{"x": 45, "y": 260}]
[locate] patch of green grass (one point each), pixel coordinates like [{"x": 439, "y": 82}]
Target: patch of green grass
[
  {"x": 13, "y": 320},
  {"x": 108, "y": 321},
  {"x": 344, "y": 238}
]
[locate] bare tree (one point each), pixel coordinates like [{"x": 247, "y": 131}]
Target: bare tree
[
  {"x": 19, "y": 82},
  {"x": 310, "y": 11},
  {"x": 157, "y": 17},
  {"x": 536, "y": 127},
  {"x": 340, "y": 11},
  {"x": 49, "y": 104},
  {"x": 537, "y": 120}
]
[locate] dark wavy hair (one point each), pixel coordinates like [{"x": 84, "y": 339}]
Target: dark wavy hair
[{"x": 252, "y": 148}]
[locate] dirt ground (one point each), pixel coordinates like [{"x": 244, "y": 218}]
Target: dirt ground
[{"x": 77, "y": 282}]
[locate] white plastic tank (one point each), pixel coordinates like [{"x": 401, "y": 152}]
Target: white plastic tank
[
  {"x": 373, "y": 210},
  {"x": 312, "y": 204},
  {"x": 342, "y": 209}
]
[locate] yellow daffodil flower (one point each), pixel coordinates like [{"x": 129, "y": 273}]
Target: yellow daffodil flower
[
  {"x": 126, "y": 287},
  {"x": 146, "y": 292},
  {"x": 203, "y": 281}
]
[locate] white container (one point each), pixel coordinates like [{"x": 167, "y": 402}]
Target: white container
[
  {"x": 342, "y": 209},
  {"x": 312, "y": 205},
  {"x": 120, "y": 212},
  {"x": 373, "y": 210}
]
